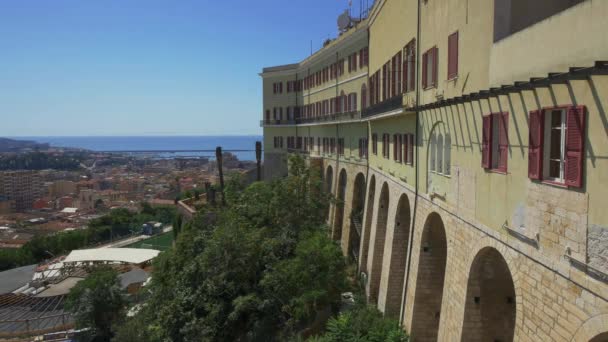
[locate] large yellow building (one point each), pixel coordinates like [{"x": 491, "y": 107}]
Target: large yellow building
[{"x": 468, "y": 143}]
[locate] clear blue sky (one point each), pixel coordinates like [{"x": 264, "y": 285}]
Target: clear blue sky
[{"x": 148, "y": 67}]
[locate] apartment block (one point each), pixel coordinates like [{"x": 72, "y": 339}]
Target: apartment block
[
  {"x": 22, "y": 187},
  {"x": 469, "y": 153}
]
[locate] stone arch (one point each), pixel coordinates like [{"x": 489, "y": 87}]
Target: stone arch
[
  {"x": 329, "y": 176},
  {"x": 367, "y": 226},
  {"x": 430, "y": 280},
  {"x": 356, "y": 216},
  {"x": 339, "y": 215},
  {"x": 594, "y": 329},
  {"x": 378, "y": 255},
  {"x": 398, "y": 258},
  {"x": 490, "y": 308}
]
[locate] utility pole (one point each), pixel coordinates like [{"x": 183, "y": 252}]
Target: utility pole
[
  {"x": 258, "y": 158},
  {"x": 218, "y": 157}
]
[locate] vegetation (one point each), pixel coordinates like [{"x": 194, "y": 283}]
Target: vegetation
[
  {"x": 261, "y": 268},
  {"x": 97, "y": 302},
  {"x": 117, "y": 223},
  {"x": 363, "y": 323}
]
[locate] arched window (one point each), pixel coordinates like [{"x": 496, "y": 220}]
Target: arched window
[
  {"x": 448, "y": 153},
  {"x": 440, "y": 153},
  {"x": 432, "y": 146}
]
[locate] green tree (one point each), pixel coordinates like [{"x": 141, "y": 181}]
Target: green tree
[{"x": 97, "y": 302}]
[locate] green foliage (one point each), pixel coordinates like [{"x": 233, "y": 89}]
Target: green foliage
[
  {"x": 362, "y": 324},
  {"x": 97, "y": 302},
  {"x": 244, "y": 271}
]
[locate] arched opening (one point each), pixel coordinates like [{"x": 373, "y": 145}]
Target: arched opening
[
  {"x": 430, "y": 279},
  {"x": 329, "y": 176},
  {"x": 368, "y": 224},
  {"x": 376, "y": 269},
  {"x": 603, "y": 337},
  {"x": 396, "y": 275},
  {"x": 356, "y": 216},
  {"x": 490, "y": 302},
  {"x": 339, "y": 219}
]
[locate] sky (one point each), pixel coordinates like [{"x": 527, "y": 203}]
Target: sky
[{"x": 148, "y": 67}]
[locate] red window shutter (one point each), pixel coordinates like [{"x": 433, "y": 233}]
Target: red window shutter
[
  {"x": 536, "y": 142},
  {"x": 404, "y": 79},
  {"x": 406, "y": 148},
  {"x": 486, "y": 142},
  {"x": 435, "y": 65},
  {"x": 412, "y": 64},
  {"x": 575, "y": 142},
  {"x": 453, "y": 55},
  {"x": 424, "y": 69},
  {"x": 503, "y": 140},
  {"x": 411, "y": 146}
]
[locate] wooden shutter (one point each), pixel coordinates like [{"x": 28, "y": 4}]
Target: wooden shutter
[
  {"x": 503, "y": 140},
  {"x": 406, "y": 150},
  {"x": 575, "y": 141},
  {"x": 411, "y": 150},
  {"x": 424, "y": 69},
  {"x": 486, "y": 142},
  {"x": 536, "y": 142},
  {"x": 435, "y": 65},
  {"x": 453, "y": 55}
]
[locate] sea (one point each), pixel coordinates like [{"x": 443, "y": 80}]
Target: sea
[{"x": 244, "y": 143}]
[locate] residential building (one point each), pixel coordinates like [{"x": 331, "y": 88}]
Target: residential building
[
  {"x": 23, "y": 187},
  {"x": 472, "y": 169}
]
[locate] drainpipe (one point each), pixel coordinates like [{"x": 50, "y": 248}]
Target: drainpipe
[{"x": 416, "y": 172}]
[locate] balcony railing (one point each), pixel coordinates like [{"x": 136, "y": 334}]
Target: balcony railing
[
  {"x": 336, "y": 117},
  {"x": 273, "y": 122},
  {"x": 393, "y": 103},
  {"x": 346, "y": 116}
]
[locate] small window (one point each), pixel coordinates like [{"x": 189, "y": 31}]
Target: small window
[
  {"x": 375, "y": 143},
  {"x": 432, "y": 146},
  {"x": 447, "y": 154},
  {"x": 453, "y": 56},
  {"x": 495, "y": 141},
  {"x": 440, "y": 153}
]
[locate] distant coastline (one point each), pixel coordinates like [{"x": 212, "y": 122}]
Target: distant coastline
[{"x": 163, "y": 143}]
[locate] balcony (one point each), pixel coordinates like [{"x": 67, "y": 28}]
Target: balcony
[
  {"x": 394, "y": 103},
  {"x": 273, "y": 122},
  {"x": 336, "y": 117}
]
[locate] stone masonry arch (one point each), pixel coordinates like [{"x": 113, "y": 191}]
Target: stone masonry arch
[
  {"x": 430, "y": 280},
  {"x": 395, "y": 257},
  {"x": 491, "y": 306},
  {"x": 367, "y": 224},
  {"x": 339, "y": 211},
  {"x": 329, "y": 176},
  {"x": 377, "y": 253},
  {"x": 594, "y": 329},
  {"x": 356, "y": 216}
]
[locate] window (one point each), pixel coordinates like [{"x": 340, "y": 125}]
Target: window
[
  {"x": 495, "y": 141},
  {"x": 429, "y": 68},
  {"x": 440, "y": 153},
  {"x": 408, "y": 149},
  {"x": 447, "y": 155},
  {"x": 557, "y": 145},
  {"x": 453, "y": 56},
  {"x": 375, "y": 143},
  {"x": 409, "y": 67},
  {"x": 384, "y": 82},
  {"x": 341, "y": 146},
  {"x": 432, "y": 146},
  {"x": 363, "y": 96},
  {"x": 267, "y": 115},
  {"x": 386, "y": 140},
  {"x": 363, "y": 148}
]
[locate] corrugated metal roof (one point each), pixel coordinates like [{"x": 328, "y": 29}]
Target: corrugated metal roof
[{"x": 124, "y": 255}]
